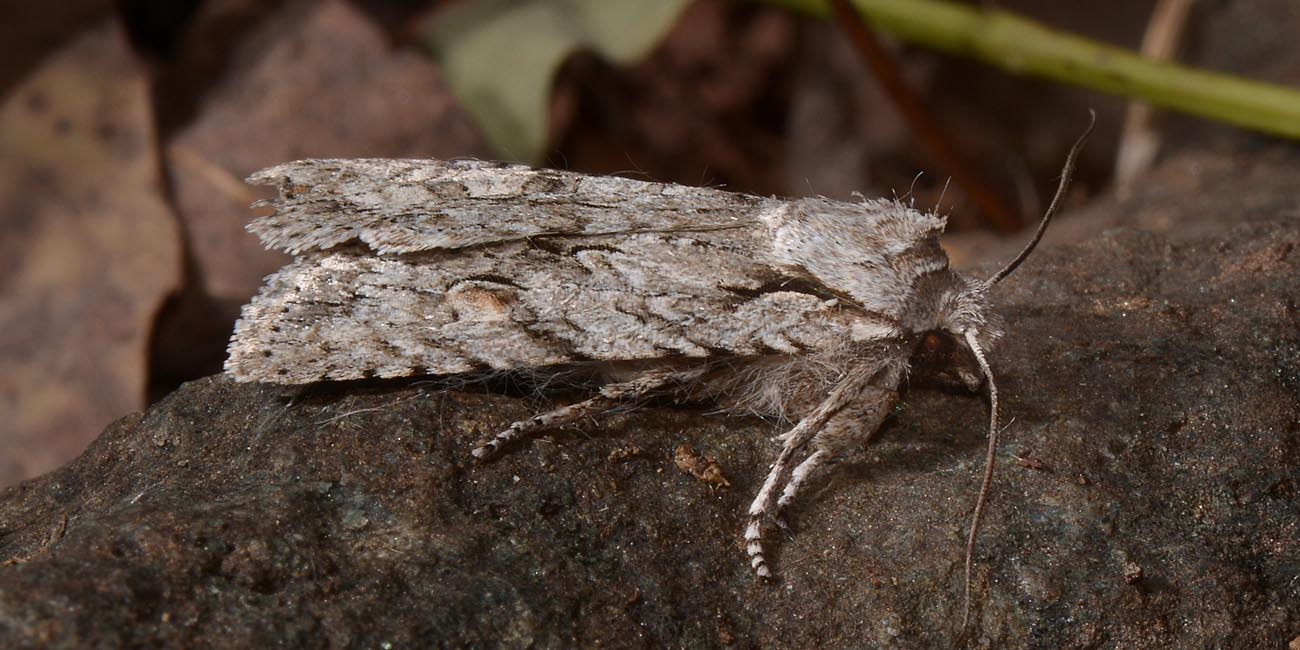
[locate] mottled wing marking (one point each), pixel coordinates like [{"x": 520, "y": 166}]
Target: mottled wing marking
[
  {"x": 348, "y": 313},
  {"x": 404, "y": 206},
  {"x": 420, "y": 266}
]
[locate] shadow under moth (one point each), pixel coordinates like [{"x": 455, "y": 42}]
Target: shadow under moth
[{"x": 809, "y": 310}]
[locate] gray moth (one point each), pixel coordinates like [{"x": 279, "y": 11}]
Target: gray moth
[{"x": 810, "y": 310}]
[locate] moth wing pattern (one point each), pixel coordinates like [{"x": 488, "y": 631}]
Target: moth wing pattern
[
  {"x": 405, "y": 206},
  {"x": 350, "y": 314},
  {"x": 386, "y": 285}
]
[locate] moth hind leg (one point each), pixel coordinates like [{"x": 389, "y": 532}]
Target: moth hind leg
[
  {"x": 540, "y": 422},
  {"x": 611, "y": 396}
]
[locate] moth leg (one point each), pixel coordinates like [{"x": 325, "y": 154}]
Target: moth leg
[
  {"x": 852, "y": 408},
  {"x": 610, "y": 396},
  {"x": 797, "y": 477},
  {"x": 853, "y": 426}
]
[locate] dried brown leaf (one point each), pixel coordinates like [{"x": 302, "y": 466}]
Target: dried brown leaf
[
  {"x": 316, "y": 79},
  {"x": 90, "y": 250}
]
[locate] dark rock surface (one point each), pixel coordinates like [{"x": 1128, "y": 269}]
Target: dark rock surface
[{"x": 1148, "y": 495}]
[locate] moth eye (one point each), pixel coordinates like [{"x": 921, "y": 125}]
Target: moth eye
[{"x": 932, "y": 343}]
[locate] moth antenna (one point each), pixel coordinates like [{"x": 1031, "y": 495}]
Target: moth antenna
[
  {"x": 989, "y": 462},
  {"x": 1067, "y": 172}
]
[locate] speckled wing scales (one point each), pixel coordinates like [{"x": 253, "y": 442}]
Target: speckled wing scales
[
  {"x": 404, "y": 206},
  {"x": 494, "y": 286}
]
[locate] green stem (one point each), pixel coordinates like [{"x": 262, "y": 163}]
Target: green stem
[{"x": 1022, "y": 46}]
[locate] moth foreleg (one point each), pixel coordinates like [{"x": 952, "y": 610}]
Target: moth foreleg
[
  {"x": 850, "y": 415},
  {"x": 610, "y": 396},
  {"x": 853, "y": 426},
  {"x": 797, "y": 477}
]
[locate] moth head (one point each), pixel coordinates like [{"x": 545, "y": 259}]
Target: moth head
[
  {"x": 941, "y": 357},
  {"x": 945, "y": 351}
]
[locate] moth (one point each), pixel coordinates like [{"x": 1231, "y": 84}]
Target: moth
[{"x": 810, "y": 310}]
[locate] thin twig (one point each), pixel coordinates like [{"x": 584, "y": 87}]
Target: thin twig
[{"x": 1021, "y": 46}]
